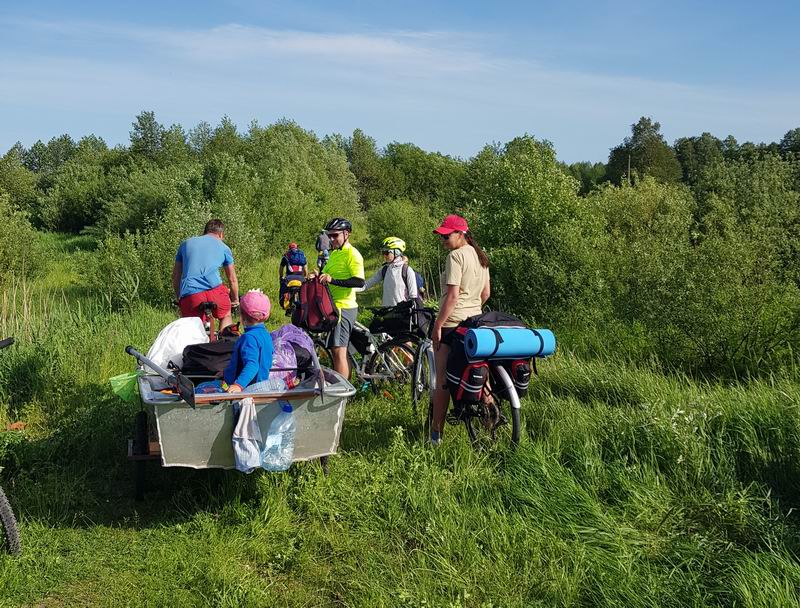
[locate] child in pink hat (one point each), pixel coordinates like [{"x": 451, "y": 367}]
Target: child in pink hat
[{"x": 252, "y": 355}]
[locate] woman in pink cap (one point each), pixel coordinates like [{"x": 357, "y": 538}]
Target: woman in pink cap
[
  {"x": 465, "y": 288},
  {"x": 252, "y": 355}
]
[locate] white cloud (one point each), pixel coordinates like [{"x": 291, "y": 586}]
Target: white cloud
[{"x": 442, "y": 90}]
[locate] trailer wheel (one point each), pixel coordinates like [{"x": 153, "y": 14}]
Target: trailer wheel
[{"x": 141, "y": 447}]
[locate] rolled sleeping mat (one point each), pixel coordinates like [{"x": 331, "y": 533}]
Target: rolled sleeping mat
[{"x": 509, "y": 343}]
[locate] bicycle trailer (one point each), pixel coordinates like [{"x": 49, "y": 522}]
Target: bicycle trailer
[
  {"x": 200, "y": 437},
  {"x": 196, "y": 431}
]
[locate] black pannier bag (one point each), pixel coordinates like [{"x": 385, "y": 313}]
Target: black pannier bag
[
  {"x": 400, "y": 319},
  {"x": 492, "y": 318},
  {"x": 360, "y": 339},
  {"x": 465, "y": 379}
]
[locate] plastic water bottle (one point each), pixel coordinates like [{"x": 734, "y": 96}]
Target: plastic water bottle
[{"x": 278, "y": 451}]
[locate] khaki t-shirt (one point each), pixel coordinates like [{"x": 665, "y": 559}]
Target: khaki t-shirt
[{"x": 463, "y": 268}]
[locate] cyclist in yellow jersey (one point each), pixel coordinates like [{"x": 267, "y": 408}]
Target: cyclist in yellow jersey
[{"x": 344, "y": 272}]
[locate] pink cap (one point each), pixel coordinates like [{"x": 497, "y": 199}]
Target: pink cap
[
  {"x": 292, "y": 245},
  {"x": 255, "y": 304},
  {"x": 452, "y": 223}
]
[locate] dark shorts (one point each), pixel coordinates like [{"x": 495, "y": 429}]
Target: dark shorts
[
  {"x": 340, "y": 335},
  {"x": 190, "y": 305},
  {"x": 448, "y": 333}
]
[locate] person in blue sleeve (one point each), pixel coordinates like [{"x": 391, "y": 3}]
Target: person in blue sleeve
[{"x": 252, "y": 354}]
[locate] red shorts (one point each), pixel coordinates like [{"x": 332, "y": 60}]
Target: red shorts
[{"x": 190, "y": 305}]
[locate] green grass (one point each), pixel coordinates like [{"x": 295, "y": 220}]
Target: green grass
[{"x": 630, "y": 488}]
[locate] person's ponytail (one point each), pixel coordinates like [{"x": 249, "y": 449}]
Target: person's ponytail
[{"x": 482, "y": 258}]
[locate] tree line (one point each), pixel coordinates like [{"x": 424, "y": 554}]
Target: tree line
[{"x": 685, "y": 255}]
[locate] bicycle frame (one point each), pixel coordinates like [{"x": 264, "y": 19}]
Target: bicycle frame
[
  {"x": 206, "y": 310},
  {"x": 388, "y": 362}
]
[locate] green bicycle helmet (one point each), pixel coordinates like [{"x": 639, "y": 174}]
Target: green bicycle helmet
[{"x": 395, "y": 244}]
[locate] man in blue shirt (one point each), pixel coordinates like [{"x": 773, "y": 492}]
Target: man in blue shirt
[{"x": 195, "y": 276}]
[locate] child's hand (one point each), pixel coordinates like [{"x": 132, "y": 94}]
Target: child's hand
[{"x": 234, "y": 388}]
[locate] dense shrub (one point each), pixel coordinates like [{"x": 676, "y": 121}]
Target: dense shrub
[
  {"x": 540, "y": 235},
  {"x": 135, "y": 194},
  {"x": 17, "y": 181},
  {"x": 715, "y": 302},
  {"x": 21, "y": 253},
  {"x": 303, "y": 183}
]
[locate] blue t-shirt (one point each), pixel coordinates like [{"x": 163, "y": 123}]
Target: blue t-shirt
[
  {"x": 252, "y": 357},
  {"x": 201, "y": 257}
]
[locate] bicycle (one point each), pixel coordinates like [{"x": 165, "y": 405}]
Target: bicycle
[
  {"x": 424, "y": 372},
  {"x": 290, "y": 293},
  {"x": 406, "y": 328},
  {"x": 374, "y": 358},
  {"x": 484, "y": 420},
  {"x": 10, "y": 541}
]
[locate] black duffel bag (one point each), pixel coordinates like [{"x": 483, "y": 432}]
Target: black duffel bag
[{"x": 208, "y": 358}]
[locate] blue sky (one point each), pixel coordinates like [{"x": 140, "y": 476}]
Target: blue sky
[{"x": 447, "y": 76}]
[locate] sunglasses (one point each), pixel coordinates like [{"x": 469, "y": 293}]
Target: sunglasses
[
  {"x": 446, "y": 237},
  {"x": 334, "y": 235}
]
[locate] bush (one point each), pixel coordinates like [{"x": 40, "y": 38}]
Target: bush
[
  {"x": 540, "y": 236},
  {"x": 715, "y": 302},
  {"x": 75, "y": 199},
  {"x": 302, "y": 185},
  {"x": 135, "y": 196},
  {"x": 21, "y": 252}
]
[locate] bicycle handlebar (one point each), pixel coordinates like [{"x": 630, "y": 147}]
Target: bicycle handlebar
[{"x": 5, "y": 343}]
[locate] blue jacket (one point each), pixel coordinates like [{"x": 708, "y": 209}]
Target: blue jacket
[{"x": 252, "y": 357}]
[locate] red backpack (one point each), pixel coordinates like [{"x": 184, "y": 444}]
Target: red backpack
[{"x": 316, "y": 310}]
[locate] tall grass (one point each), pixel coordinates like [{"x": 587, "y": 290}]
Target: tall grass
[{"x": 630, "y": 488}]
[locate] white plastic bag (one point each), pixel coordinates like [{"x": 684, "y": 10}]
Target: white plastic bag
[
  {"x": 174, "y": 338},
  {"x": 247, "y": 438}
]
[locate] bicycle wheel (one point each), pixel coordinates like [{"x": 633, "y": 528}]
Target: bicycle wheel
[
  {"x": 486, "y": 422},
  {"x": 422, "y": 379},
  {"x": 10, "y": 540},
  {"x": 392, "y": 362}
]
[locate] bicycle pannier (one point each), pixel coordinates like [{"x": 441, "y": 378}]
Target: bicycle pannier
[
  {"x": 465, "y": 379},
  {"x": 360, "y": 339},
  {"x": 520, "y": 372}
]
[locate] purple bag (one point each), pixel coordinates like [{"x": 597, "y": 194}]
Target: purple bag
[{"x": 284, "y": 358}]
